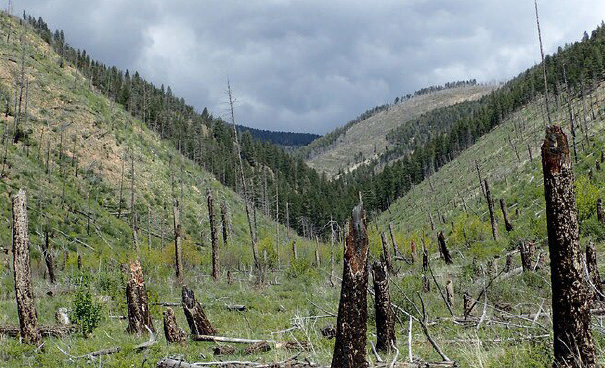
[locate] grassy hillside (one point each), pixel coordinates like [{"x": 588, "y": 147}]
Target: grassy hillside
[{"x": 366, "y": 140}]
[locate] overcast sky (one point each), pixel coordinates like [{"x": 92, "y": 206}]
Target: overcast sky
[{"x": 313, "y": 65}]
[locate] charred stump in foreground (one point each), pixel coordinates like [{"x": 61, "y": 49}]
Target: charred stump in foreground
[
  {"x": 171, "y": 329},
  {"x": 385, "y": 319},
  {"x": 28, "y": 318},
  {"x": 139, "y": 316},
  {"x": 571, "y": 298},
  {"x": 350, "y": 345},
  {"x": 196, "y": 317}
]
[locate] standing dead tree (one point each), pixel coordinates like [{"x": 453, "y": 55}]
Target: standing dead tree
[
  {"x": 385, "y": 318},
  {"x": 543, "y": 65},
  {"x": 196, "y": 317},
  {"x": 47, "y": 252},
  {"x": 600, "y": 213},
  {"x": 593, "y": 272},
  {"x": 139, "y": 316},
  {"x": 443, "y": 249},
  {"x": 224, "y": 224},
  {"x": 171, "y": 330},
  {"x": 385, "y": 252},
  {"x": 492, "y": 215},
  {"x": 395, "y": 250},
  {"x": 571, "y": 299},
  {"x": 178, "y": 256},
  {"x": 527, "y": 250},
  {"x": 350, "y": 345},
  {"x": 507, "y": 223},
  {"x": 213, "y": 237},
  {"x": 28, "y": 318}
]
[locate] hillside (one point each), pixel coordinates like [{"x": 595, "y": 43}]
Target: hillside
[
  {"x": 366, "y": 140},
  {"x": 284, "y": 139}
]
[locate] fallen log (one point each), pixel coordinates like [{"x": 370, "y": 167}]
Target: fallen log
[
  {"x": 290, "y": 363},
  {"x": 290, "y": 345},
  {"x": 44, "y": 331}
]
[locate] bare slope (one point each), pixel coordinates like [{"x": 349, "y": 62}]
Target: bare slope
[{"x": 367, "y": 139}]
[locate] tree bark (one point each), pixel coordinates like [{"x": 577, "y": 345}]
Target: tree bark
[
  {"x": 492, "y": 215},
  {"x": 171, "y": 330},
  {"x": 385, "y": 252},
  {"x": 178, "y": 256},
  {"x": 507, "y": 223},
  {"x": 49, "y": 259},
  {"x": 213, "y": 237},
  {"x": 294, "y": 251},
  {"x": 139, "y": 315},
  {"x": 196, "y": 317},
  {"x": 224, "y": 224},
  {"x": 573, "y": 344},
  {"x": 600, "y": 214},
  {"x": 385, "y": 319},
  {"x": 28, "y": 318},
  {"x": 527, "y": 250},
  {"x": 443, "y": 249},
  {"x": 350, "y": 345},
  {"x": 593, "y": 272},
  {"x": 395, "y": 250}
]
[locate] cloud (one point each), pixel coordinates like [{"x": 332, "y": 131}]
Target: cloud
[{"x": 310, "y": 65}]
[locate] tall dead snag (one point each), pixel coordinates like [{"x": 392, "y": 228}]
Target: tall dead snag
[
  {"x": 527, "y": 250},
  {"x": 492, "y": 215},
  {"x": 213, "y": 237},
  {"x": 294, "y": 251},
  {"x": 196, "y": 318},
  {"x": 507, "y": 223},
  {"x": 28, "y": 318},
  {"x": 47, "y": 252},
  {"x": 139, "y": 315},
  {"x": 443, "y": 249},
  {"x": 593, "y": 272},
  {"x": 224, "y": 223},
  {"x": 178, "y": 256},
  {"x": 395, "y": 250},
  {"x": 350, "y": 345},
  {"x": 573, "y": 344},
  {"x": 171, "y": 330},
  {"x": 385, "y": 319},
  {"x": 385, "y": 252},
  {"x": 600, "y": 214}
]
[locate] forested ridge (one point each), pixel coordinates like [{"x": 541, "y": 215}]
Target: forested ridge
[{"x": 312, "y": 199}]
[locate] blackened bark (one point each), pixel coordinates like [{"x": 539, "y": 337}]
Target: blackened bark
[
  {"x": 509, "y": 263},
  {"x": 49, "y": 259},
  {"x": 395, "y": 250},
  {"x": 196, "y": 317},
  {"x": 178, "y": 256},
  {"x": 350, "y": 346},
  {"x": 171, "y": 330},
  {"x": 139, "y": 315},
  {"x": 600, "y": 214},
  {"x": 224, "y": 223},
  {"x": 28, "y": 318},
  {"x": 385, "y": 252},
  {"x": 213, "y": 237},
  {"x": 507, "y": 223},
  {"x": 573, "y": 344},
  {"x": 294, "y": 252},
  {"x": 492, "y": 215},
  {"x": 385, "y": 319},
  {"x": 443, "y": 249},
  {"x": 593, "y": 272},
  {"x": 527, "y": 250}
]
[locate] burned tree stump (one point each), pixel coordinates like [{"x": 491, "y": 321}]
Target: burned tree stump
[
  {"x": 351, "y": 328},
  {"x": 213, "y": 237},
  {"x": 492, "y": 215},
  {"x": 449, "y": 293},
  {"x": 571, "y": 298},
  {"x": 385, "y": 319},
  {"x": 509, "y": 263},
  {"x": 171, "y": 330},
  {"x": 593, "y": 272},
  {"x": 47, "y": 253},
  {"x": 447, "y": 257},
  {"x": 196, "y": 317},
  {"x": 178, "y": 255},
  {"x": 527, "y": 250},
  {"x": 600, "y": 213},
  {"x": 224, "y": 350},
  {"x": 28, "y": 318},
  {"x": 385, "y": 252},
  {"x": 139, "y": 317},
  {"x": 507, "y": 224}
]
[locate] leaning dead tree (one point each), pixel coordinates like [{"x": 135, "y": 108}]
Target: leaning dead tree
[
  {"x": 350, "y": 345},
  {"x": 178, "y": 255},
  {"x": 492, "y": 215},
  {"x": 508, "y": 225},
  {"x": 28, "y": 318},
  {"x": 171, "y": 330},
  {"x": 196, "y": 317},
  {"x": 571, "y": 298},
  {"x": 139, "y": 316},
  {"x": 385, "y": 318},
  {"x": 443, "y": 249},
  {"x": 213, "y": 237}
]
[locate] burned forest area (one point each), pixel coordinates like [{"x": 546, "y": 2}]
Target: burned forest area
[{"x": 138, "y": 232}]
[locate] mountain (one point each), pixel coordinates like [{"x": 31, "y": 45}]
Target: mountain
[
  {"x": 283, "y": 139},
  {"x": 365, "y": 138}
]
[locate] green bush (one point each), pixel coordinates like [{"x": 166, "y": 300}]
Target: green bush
[{"x": 85, "y": 312}]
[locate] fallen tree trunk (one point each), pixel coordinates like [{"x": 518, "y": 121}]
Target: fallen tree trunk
[
  {"x": 44, "y": 331},
  {"x": 290, "y": 363}
]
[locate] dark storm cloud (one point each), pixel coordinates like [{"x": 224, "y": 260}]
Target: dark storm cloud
[{"x": 313, "y": 65}]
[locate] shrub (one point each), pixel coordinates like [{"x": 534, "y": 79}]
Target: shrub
[{"x": 85, "y": 312}]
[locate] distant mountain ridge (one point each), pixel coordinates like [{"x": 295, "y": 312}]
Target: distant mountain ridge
[{"x": 284, "y": 139}]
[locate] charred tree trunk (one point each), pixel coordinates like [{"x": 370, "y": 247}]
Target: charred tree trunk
[
  {"x": 294, "y": 251},
  {"x": 443, "y": 249},
  {"x": 224, "y": 224},
  {"x": 481, "y": 188},
  {"x": 509, "y": 263},
  {"x": 49, "y": 259},
  {"x": 139, "y": 315},
  {"x": 385, "y": 252},
  {"x": 600, "y": 214},
  {"x": 28, "y": 318},
  {"x": 350, "y": 345},
  {"x": 395, "y": 250},
  {"x": 573, "y": 344},
  {"x": 171, "y": 330},
  {"x": 507, "y": 223},
  {"x": 593, "y": 272},
  {"x": 196, "y": 318},
  {"x": 178, "y": 257},
  {"x": 385, "y": 319},
  {"x": 213, "y": 237},
  {"x": 492, "y": 215},
  {"x": 527, "y": 250}
]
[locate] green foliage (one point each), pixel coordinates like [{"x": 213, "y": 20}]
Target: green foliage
[
  {"x": 587, "y": 194},
  {"x": 86, "y": 313}
]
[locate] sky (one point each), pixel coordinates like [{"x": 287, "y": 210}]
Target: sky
[{"x": 313, "y": 65}]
